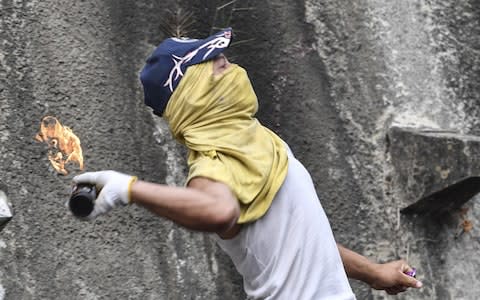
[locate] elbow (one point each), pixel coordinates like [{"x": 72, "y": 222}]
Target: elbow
[{"x": 226, "y": 217}]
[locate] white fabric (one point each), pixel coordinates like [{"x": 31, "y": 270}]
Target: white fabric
[{"x": 290, "y": 253}]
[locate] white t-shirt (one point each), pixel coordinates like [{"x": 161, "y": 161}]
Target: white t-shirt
[{"x": 290, "y": 253}]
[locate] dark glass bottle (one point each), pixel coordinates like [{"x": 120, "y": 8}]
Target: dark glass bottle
[{"x": 82, "y": 200}]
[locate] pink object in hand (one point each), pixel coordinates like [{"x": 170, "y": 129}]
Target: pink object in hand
[{"x": 412, "y": 273}]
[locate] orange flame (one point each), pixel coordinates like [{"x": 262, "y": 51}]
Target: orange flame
[{"x": 63, "y": 144}]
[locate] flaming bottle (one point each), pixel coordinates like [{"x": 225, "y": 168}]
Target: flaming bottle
[{"x": 82, "y": 200}]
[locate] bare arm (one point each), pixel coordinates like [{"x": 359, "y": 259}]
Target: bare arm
[
  {"x": 204, "y": 205},
  {"x": 389, "y": 276}
]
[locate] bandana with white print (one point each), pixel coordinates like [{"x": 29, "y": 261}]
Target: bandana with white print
[{"x": 167, "y": 64}]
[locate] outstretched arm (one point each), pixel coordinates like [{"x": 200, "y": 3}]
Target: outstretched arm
[
  {"x": 204, "y": 205},
  {"x": 389, "y": 276}
]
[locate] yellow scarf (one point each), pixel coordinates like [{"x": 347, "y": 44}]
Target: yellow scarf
[{"x": 213, "y": 115}]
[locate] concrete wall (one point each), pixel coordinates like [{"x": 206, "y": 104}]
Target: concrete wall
[{"x": 331, "y": 78}]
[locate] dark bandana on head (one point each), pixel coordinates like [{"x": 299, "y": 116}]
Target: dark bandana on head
[{"x": 167, "y": 64}]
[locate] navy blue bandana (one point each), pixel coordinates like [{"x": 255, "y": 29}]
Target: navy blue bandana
[{"x": 165, "y": 67}]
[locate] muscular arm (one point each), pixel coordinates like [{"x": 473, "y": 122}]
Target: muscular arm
[
  {"x": 204, "y": 205},
  {"x": 389, "y": 276}
]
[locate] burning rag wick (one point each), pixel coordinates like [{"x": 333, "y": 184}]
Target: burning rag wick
[{"x": 63, "y": 144}]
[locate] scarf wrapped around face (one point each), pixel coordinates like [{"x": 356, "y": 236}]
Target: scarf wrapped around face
[{"x": 213, "y": 115}]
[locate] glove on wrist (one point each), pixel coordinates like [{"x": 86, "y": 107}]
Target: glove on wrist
[{"x": 114, "y": 189}]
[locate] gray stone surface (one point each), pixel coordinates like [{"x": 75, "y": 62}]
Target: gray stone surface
[
  {"x": 6, "y": 212},
  {"x": 331, "y": 77},
  {"x": 436, "y": 170},
  {"x": 80, "y": 61},
  {"x": 406, "y": 63}
]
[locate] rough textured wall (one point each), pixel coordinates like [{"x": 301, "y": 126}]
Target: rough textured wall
[
  {"x": 79, "y": 61},
  {"x": 331, "y": 78},
  {"x": 411, "y": 63}
]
